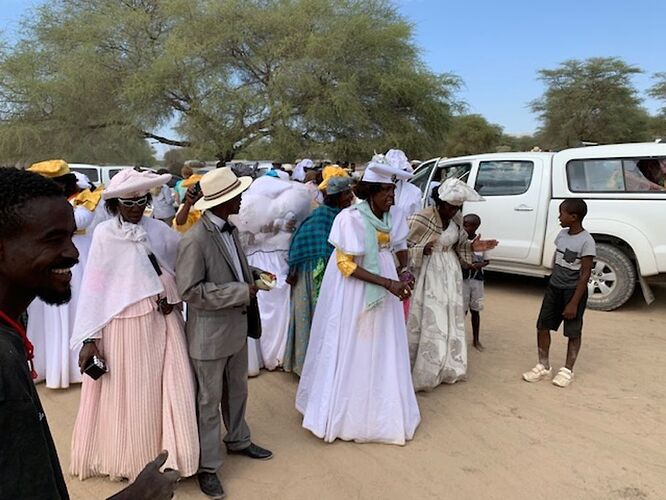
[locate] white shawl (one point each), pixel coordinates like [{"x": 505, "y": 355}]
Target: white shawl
[{"x": 118, "y": 272}]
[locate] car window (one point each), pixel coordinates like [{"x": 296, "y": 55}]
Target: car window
[
  {"x": 421, "y": 177},
  {"x": 636, "y": 175},
  {"x": 114, "y": 171},
  {"x": 90, "y": 172},
  {"x": 460, "y": 171},
  {"x": 504, "y": 178}
]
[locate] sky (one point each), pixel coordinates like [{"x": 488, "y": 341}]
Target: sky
[{"x": 497, "y": 47}]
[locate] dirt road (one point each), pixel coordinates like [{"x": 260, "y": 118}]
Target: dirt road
[{"x": 492, "y": 437}]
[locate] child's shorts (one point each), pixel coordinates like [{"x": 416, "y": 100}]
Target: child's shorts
[
  {"x": 550, "y": 316},
  {"x": 473, "y": 294}
]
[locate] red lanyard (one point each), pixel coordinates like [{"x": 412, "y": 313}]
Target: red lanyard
[{"x": 27, "y": 345}]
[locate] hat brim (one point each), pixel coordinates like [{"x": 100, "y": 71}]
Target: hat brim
[
  {"x": 204, "y": 204},
  {"x": 135, "y": 187}
]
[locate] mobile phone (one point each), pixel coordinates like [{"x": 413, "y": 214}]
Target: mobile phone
[{"x": 95, "y": 368}]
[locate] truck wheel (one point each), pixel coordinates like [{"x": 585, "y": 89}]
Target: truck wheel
[{"x": 613, "y": 279}]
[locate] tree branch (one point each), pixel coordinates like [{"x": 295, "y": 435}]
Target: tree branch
[{"x": 165, "y": 140}]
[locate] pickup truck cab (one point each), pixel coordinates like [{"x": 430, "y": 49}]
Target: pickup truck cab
[{"x": 625, "y": 189}]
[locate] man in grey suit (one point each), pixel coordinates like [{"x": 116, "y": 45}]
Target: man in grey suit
[{"x": 217, "y": 284}]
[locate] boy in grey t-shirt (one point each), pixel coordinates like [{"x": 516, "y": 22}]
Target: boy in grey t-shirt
[{"x": 566, "y": 295}]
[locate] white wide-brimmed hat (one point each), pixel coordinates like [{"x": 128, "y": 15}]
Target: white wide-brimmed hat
[
  {"x": 380, "y": 171},
  {"x": 130, "y": 183},
  {"x": 219, "y": 186}
]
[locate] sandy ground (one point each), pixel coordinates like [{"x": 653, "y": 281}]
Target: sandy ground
[{"x": 492, "y": 437}]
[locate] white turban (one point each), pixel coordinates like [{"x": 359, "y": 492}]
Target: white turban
[
  {"x": 299, "y": 171},
  {"x": 456, "y": 192},
  {"x": 398, "y": 159}
]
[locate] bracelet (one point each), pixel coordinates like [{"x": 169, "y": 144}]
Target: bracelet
[
  {"x": 89, "y": 341},
  {"x": 403, "y": 270}
]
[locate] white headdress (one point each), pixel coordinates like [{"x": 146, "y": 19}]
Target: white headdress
[
  {"x": 398, "y": 159},
  {"x": 455, "y": 192},
  {"x": 299, "y": 171},
  {"x": 380, "y": 171}
]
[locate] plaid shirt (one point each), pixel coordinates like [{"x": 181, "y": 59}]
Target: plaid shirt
[
  {"x": 426, "y": 226},
  {"x": 310, "y": 242}
]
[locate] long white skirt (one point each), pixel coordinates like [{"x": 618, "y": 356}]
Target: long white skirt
[
  {"x": 356, "y": 382},
  {"x": 273, "y": 309},
  {"x": 50, "y": 328},
  {"x": 436, "y": 324}
]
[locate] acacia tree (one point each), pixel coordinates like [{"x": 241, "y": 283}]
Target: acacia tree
[
  {"x": 592, "y": 100},
  {"x": 472, "y": 134},
  {"x": 296, "y": 76}
]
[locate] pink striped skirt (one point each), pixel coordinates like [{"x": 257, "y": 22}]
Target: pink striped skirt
[{"x": 146, "y": 403}]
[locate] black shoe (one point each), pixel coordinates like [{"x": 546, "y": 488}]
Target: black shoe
[
  {"x": 210, "y": 485},
  {"x": 253, "y": 451}
]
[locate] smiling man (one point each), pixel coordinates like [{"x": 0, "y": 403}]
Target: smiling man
[{"x": 36, "y": 255}]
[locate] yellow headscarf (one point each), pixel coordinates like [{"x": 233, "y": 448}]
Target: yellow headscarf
[
  {"x": 329, "y": 172},
  {"x": 50, "y": 168}
]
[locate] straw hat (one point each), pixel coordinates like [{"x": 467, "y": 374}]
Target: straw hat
[
  {"x": 219, "y": 186},
  {"x": 130, "y": 183}
]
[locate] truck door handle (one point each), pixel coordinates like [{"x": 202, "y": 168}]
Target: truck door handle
[{"x": 523, "y": 208}]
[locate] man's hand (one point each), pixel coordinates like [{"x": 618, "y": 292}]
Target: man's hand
[
  {"x": 151, "y": 483},
  {"x": 479, "y": 245},
  {"x": 253, "y": 291},
  {"x": 570, "y": 311},
  {"x": 86, "y": 353},
  {"x": 427, "y": 250},
  {"x": 192, "y": 195}
]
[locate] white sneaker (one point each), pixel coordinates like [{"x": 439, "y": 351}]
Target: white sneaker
[
  {"x": 537, "y": 373},
  {"x": 563, "y": 378}
]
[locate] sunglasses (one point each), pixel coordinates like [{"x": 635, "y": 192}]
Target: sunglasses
[{"x": 139, "y": 202}]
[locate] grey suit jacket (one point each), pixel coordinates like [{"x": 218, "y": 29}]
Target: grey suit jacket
[{"x": 220, "y": 314}]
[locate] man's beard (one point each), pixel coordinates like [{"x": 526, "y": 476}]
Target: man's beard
[{"x": 54, "y": 298}]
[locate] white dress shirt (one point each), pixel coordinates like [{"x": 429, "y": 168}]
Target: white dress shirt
[{"x": 229, "y": 243}]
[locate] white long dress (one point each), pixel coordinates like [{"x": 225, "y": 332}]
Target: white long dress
[
  {"x": 436, "y": 325},
  {"x": 50, "y": 327},
  {"x": 274, "y": 312},
  {"x": 356, "y": 382}
]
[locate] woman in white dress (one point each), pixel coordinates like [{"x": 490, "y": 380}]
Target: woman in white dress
[
  {"x": 356, "y": 383},
  {"x": 436, "y": 324},
  {"x": 271, "y": 210}
]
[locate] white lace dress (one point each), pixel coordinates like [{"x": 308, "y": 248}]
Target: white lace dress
[{"x": 436, "y": 325}]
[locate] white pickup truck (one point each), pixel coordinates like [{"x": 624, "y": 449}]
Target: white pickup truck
[{"x": 625, "y": 189}]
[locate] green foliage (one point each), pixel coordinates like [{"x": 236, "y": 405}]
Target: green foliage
[
  {"x": 291, "y": 77},
  {"x": 472, "y": 134},
  {"x": 174, "y": 159},
  {"x": 658, "y": 90},
  {"x": 518, "y": 143},
  {"x": 592, "y": 100}
]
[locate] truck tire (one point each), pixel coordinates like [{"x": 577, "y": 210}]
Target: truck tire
[{"x": 613, "y": 279}]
